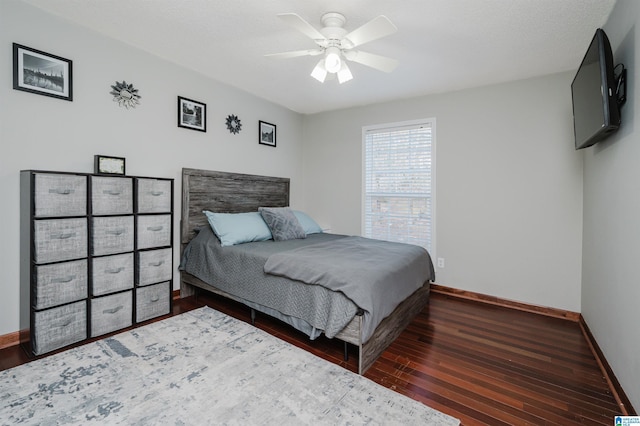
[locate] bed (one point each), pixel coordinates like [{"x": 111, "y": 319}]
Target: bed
[{"x": 313, "y": 309}]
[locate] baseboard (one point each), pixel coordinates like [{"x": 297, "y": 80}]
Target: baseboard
[
  {"x": 626, "y": 409},
  {"x": 493, "y": 300},
  {"x": 175, "y": 294},
  {"x": 11, "y": 339}
]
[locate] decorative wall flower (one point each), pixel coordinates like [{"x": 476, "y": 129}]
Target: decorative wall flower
[
  {"x": 125, "y": 95},
  {"x": 233, "y": 124}
]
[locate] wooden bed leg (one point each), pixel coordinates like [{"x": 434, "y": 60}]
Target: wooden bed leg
[
  {"x": 186, "y": 289},
  {"x": 346, "y": 351},
  {"x": 253, "y": 317}
]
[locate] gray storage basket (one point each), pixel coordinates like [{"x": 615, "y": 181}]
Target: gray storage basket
[
  {"x": 60, "y": 283},
  {"x": 154, "y": 196},
  {"x": 112, "y": 235},
  {"x": 59, "y": 239},
  {"x": 58, "y": 327},
  {"x": 111, "y": 195},
  {"x": 153, "y": 301},
  {"x": 111, "y": 274},
  {"x": 154, "y": 231},
  {"x": 110, "y": 313},
  {"x": 154, "y": 266},
  {"x": 60, "y": 195}
]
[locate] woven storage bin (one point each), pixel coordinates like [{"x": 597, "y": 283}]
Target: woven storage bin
[
  {"x": 58, "y": 327},
  {"x": 111, "y": 195},
  {"x": 111, "y": 274},
  {"x": 154, "y": 266},
  {"x": 55, "y": 240},
  {"x": 154, "y": 196},
  {"x": 152, "y": 301},
  {"x": 60, "y": 283},
  {"x": 154, "y": 231},
  {"x": 60, "y": 195},
  {"x": 112, "y": 235},
  {"x": 110, "y": 313}
]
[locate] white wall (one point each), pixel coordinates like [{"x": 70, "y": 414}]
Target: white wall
[
  {"x": 38, "y": 132},
  {"x": 508, "y": 185},
  {"x": 611, "y": 248}
]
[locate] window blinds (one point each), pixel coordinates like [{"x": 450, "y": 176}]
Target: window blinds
[{"x": 398, "y": 204}]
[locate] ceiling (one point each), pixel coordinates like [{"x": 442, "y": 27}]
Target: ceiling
[{"x": 441, "y": 45}]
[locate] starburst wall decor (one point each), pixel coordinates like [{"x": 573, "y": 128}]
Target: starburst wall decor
[
  {"x": 233, "y": 124},
  {"x": 125, "y": 95}
]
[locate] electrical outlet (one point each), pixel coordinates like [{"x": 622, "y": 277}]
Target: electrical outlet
[{"x": 441, "y": 262}]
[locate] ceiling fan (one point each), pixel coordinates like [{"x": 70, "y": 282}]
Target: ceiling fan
[{"x": 336, "y": 45}]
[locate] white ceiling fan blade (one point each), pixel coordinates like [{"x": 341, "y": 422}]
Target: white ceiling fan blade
[
  {"x": 297, "y": 22},
  {"x": 319, "y": 72},
  {"x": 295, "y": 53},
  {"x": 381, "y": 63},
  {"x": 376, "y": 28},
  {"x": 344, "y": 74}
]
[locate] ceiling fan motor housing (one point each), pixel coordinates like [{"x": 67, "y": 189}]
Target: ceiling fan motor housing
[{"x": 333, "y": 30}]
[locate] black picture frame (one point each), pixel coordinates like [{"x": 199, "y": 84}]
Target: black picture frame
[
  {"x": 107, "y": 165},
  {"x": 192, "y": 114},
  {"x": 42, "y": 73},
  {"x": 266, "y": 133}
]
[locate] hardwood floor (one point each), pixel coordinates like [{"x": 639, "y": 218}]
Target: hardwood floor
[{"x": 481, "y": 363}]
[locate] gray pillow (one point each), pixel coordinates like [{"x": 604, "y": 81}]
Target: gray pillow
[{"x": 284, "y": 225}]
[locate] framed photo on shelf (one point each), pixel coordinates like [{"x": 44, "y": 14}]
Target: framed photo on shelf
[
  {"x": 192, "y": 114},
  {"x": 42, "y": 73},
  {"x": 105, "y": 165},
  {"x": 267, "y": 133}
]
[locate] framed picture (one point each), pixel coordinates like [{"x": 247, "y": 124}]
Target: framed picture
[
  {"x": 42, "y": 73},
  {"x": 267, "y": 133},
  {"x": 105, "y": 165},
  {"x": 192, "y": 114}
]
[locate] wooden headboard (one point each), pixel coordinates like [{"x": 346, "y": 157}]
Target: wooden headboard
[{"x": 226, "y": 193}]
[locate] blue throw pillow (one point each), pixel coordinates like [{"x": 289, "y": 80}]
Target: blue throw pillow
[
  {"x": 238, "y": 228},
  {"x": 309, "y": 225}
]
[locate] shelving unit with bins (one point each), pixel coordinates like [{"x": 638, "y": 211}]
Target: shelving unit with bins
[{"x": 96, "y": 254}]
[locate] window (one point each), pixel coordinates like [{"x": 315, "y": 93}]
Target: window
[{"x": 399, "y": 170}]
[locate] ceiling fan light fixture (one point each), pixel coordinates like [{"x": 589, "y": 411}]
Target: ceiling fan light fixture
[
  {"x": 319, "y": 72},
  {"x": 332, "y": 60},
  {"x": 344, "y": 74}
]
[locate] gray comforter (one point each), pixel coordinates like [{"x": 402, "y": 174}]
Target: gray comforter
[
  {"x": 238, "y": 270},
  {"x": 376, "y": 275},
  {"x": 345, "y": 273}
]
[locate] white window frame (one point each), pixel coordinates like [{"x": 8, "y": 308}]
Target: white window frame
[{"x": 398, "y": 125}]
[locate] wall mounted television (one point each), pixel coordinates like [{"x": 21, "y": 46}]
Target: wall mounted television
[{"x": 597, "y": 93}]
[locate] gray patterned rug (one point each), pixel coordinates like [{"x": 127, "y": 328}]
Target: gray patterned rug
[{"x": 200, "y": 367}]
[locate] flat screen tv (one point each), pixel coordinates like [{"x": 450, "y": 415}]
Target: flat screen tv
[{"x": 596, "y": 113}]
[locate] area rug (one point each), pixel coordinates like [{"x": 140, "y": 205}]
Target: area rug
[{"x": 200, "y": 367}]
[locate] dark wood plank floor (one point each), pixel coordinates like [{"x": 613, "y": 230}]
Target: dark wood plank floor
[{"x": 480, "y": 363}]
